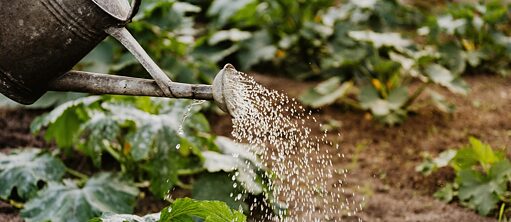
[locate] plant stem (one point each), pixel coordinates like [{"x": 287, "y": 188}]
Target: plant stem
[
  {"x": 114, "y": 154},
  {"x": 186, "y": 172},
  {"x": 184, "y": 186},
  {"x": 351, "y": 102},
  {"x": 77, "y": 174},
  {"x": 13, "y": 203},
  {"x": 415, "y": 95}
]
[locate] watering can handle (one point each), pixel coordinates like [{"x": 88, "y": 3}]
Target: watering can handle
[{"x": 135, "y": 5}]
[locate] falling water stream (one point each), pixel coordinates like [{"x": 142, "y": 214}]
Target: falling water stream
[{"x": 278, "y": 129}]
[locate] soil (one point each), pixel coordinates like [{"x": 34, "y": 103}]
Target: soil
[{"x": 381, "y": 159}]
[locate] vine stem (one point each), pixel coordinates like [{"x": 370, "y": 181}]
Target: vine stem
[
  {"x": 184, "y": 186},
  {"x": 415, "y": 95},
  {"x": 186, "y": 172},
  {"x": 76, "y": 174}
]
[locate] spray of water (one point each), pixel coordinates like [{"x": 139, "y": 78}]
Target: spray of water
[{"x": 276, "y": 126}]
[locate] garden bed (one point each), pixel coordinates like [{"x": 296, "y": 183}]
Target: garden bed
[{"x": 381, "y": 159}]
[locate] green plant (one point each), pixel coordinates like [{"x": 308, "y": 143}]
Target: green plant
[
  {"x": 383, "y": 75},
  {"x": 57, "y": 193},
  {"x": 472, "y": 36},
  {"x": 184, "y": 210},
  {"x": 158, "y": 142},
  {"x": 482, "y": 177}
]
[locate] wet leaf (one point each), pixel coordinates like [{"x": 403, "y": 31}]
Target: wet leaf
[
  {"x": 218, "y": 186},
  {"x": 24, "y": 168},
  {"x": 68, "y": 201},
  {"x": 99, "y": 132},
  {"x": 63, "y": 122},
  {"x": 109, "y": 217},
  {"x": 210, "y": 211}
]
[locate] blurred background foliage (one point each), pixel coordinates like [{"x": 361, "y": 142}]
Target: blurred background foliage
[{"x": 368, "y": 53}]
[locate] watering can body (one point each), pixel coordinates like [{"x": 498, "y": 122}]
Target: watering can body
[{"x": 40, "y": 40}]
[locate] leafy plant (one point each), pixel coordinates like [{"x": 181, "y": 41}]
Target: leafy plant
[
  {"x": 472, "y": 36},
  {"x": 22, "y": 170},
  {"x": 158, "y": 142},
  {"x": 37, "y": 176},
  {"x": 391, "y": 63},
  {"x": 482, "y": 177},
  {"x": 184, "y": 210},
  {"x": 71, "y": 201}
]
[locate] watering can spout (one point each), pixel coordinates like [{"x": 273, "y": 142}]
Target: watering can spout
[{"x": 96, "y": 83}]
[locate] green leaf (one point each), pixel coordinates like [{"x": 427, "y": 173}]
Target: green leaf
[
  {"x": 110, "y": 217},
  {"x": 397, "y": 97},
  {"x": 390, "y": 39},
  {"x": 444, "y": 158},
  {"x": 446, "y": 193},
  {"x": 482, "y": 192},
  {"x": 225, "y": 9},
  {"x": 476, "y": 152},
  {"x": 210, "y": 211},
  {"x": 444, "y": 77},
  {"x": 246, "y": 173},
  {"x": 326, "y": 93},
  {"x": 451, "y": 25},
  {"x": 63, "y": 122},
  {"x": 440, "y": 102},
  {"x": 68, "y": 201},
  {"x": 454, "y": 57},
  {"x": 23, "y": 169},
  {"x": 258, "y": 48},
  {"x": 219, "y": 186},
  {"x": 233, "y": 35},
  {"x": 99, "y": 132}
]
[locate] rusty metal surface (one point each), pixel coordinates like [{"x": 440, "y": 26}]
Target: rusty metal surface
[{"x": 42, "y": 39}]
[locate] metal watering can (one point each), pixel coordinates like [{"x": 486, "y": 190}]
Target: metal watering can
[{"x": 41, "y": 40}]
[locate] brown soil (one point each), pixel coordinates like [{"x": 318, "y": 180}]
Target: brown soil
[{"x": 381, "y": 159}]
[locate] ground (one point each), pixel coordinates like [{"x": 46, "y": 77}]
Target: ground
[{"x": 381, "y": 159}]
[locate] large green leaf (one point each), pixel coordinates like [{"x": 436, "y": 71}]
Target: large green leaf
[
  {"x": 379, "y": 40},
  {"x": 476, "y": 153},
  {"x": 369, "y": 99},
  {"x": 68, "y": 202},
  {"x": 219, "y": 186},
  {"x": 23, "y": 169},
  {"x": 326, "y": 93},
  {"x": 225, "y": 9},
  {"x": 109, "y": 217},
  {"x": 185, "y": 210},
  {"x": 442, "y": 76},
  {"x": 99, "y": 132},
  {"x": 63, "y": 122},
  {"x": 483, "y": 191}
]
